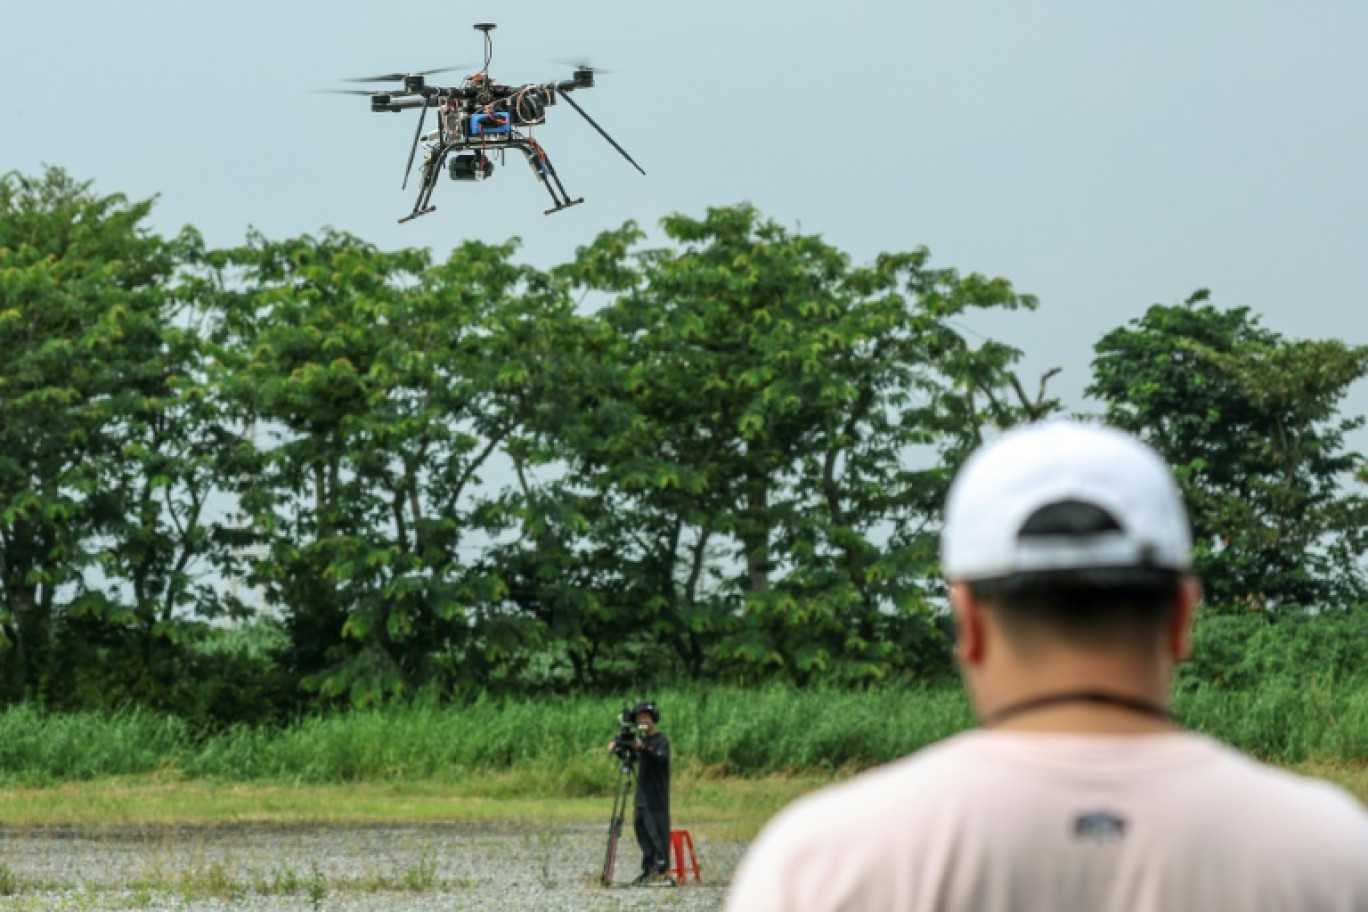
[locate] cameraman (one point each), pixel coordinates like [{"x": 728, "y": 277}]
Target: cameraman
[{"x": 652, "y": 817}]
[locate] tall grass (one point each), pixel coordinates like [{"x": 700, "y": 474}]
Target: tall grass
[
  {"x": 38, "y": 747},
  {"x": 1285, "y": 720},
  {"x": 557, "y": 745}
]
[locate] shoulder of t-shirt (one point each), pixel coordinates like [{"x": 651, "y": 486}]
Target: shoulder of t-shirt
[
  {"x": 1327, "y": 802},
  {"x": 806, "y": 831},
  {"x": 839, "y": 815},
  {"x": 853, "y": 802}
]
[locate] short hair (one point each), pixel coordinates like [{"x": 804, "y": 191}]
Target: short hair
[{"x": 1092, "y": 607}]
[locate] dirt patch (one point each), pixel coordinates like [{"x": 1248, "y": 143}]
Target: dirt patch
[{"x": 425, "y": 867}]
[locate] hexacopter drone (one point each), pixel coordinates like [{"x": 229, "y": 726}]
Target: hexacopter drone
[{"x": 478, "y": 119}]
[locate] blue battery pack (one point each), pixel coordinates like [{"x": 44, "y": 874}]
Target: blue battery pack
[{"x": 483, "y": 124}]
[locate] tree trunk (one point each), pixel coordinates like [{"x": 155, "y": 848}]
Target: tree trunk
[{"x": 756, "y": 533}]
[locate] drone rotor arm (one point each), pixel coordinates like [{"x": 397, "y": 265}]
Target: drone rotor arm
[
  {"x": 398, "y": 104},
  {"x": 565, "y": 93}
]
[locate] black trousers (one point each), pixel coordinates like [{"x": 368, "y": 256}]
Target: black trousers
[{"x": 652, "y": 827}]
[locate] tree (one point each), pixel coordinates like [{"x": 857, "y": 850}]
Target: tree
[
  {"x": 381, "y": 386},
  {"x": 1250, "y": 423},
  {"x": 106, "y": 446},
  {"x": 752, "y": 431}
]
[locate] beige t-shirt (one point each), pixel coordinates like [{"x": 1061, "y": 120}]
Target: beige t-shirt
[{"x": 997, "y": 821}]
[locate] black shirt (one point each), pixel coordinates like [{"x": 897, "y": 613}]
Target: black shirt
[{"x": 653, "y": 779}]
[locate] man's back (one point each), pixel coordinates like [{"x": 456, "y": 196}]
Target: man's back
[{"x": 998, "y": 821}]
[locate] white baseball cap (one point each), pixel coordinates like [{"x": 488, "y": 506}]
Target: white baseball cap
[{"x": 1029, "y": 468}]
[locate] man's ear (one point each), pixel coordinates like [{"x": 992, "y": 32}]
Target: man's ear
[
  {"x": 968, "y": 617},
  {"x": 1178, "y": 636}
]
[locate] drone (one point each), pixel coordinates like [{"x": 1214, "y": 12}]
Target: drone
[{"x": 479, "y": 120}]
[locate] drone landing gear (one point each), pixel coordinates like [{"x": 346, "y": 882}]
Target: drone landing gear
[
  {"x": 565, "y": 205},
  {"x": 432, "y": 169},
  {"x": 417, "y": 212},
  {"x": 546, "y": 172},
  {"x": 477, "y": 167}
]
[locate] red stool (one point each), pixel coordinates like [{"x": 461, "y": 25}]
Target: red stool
[{"x": 679, "y": 841}]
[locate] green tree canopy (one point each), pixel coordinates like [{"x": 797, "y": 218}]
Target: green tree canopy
[
  {"x": 108, "y": 440},
  {"x": 766, "y": 435},
  {"x": 381, "y": 386},
  {"x": 1250, "y": 422}
]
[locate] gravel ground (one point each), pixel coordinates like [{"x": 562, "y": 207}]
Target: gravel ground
[{"x": 398, "y": 869}]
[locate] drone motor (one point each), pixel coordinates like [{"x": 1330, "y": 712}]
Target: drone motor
[{"x": 529, "y": 108}]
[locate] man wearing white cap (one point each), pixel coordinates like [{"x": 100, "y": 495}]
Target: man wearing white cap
[{"x": 1068, "y": 556}]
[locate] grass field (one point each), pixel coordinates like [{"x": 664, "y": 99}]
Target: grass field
[
  {"x": 741, "y": 755},
  {"x": 722, "y": 808}
]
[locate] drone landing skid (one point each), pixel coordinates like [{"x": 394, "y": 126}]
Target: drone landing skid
[
  {"x": 559, "y": 206},
  {"x": 417, "y": 212}
]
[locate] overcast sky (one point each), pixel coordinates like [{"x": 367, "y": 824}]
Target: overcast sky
[{"x": 1101, "y": 155}]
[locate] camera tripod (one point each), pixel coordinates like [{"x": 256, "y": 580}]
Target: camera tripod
[{"x": 626, "y": 785}]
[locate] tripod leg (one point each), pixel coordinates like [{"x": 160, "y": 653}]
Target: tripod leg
[
  {"x": 614, "y": 834},
  {"x": 610, "y": 860},
  {"x": 626, "y": 779}
]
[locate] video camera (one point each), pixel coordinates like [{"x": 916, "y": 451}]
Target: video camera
[{"x": 629, "y": 732}]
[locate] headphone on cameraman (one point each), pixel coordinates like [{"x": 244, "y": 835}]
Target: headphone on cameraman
[{"x": 647, "y": 706}]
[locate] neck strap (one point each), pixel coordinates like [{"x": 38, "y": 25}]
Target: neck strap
[{"x": 1134, "y": 704}]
